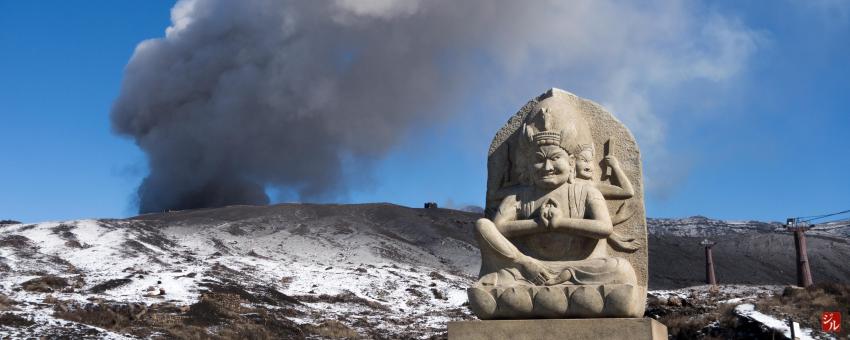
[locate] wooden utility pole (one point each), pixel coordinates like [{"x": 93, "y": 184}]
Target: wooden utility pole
[
  {"x": 709, "y": 263},
  {"x": 804, "y": 274}
]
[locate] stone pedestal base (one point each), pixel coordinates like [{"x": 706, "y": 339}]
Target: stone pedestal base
[
  {"x": 558, "y": 301},
  {"x": 545, "y": 329}
]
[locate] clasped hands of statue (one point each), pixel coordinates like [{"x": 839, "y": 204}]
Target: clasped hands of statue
[{"x": 550, "y": 215}]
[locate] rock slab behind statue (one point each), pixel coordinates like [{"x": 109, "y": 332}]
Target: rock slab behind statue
[{"x": 565, "y": 228}]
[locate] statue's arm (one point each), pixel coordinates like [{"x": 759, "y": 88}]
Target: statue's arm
[
  {"x": 506, "y": 220},
  {"x": 618, "y": 176},
  {"x": 597, "y": 226},
  {"x": 613, "y": 192}
]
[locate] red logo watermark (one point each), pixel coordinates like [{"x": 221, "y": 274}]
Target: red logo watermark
[{"x": 831, "y": 322}]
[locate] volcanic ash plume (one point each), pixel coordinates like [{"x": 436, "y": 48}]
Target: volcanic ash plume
[{"x": 244, "y": 95}]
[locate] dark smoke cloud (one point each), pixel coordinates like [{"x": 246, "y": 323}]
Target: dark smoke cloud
[{"x": 241, "y": 95}]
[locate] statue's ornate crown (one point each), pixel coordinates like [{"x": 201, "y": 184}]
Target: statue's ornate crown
[
  {"x": 547, "y": 138},
  {"x": 545, "y": 129}
]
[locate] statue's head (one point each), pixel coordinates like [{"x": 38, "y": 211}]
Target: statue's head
[
  {"x": 552, "y": 166},
  {"x": 548, "y": 142},
  {"x": 546, "y": 149},
  {"x": 584, "y": 161}
]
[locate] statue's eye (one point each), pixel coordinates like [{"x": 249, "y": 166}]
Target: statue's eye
[{"x": 556, "y": 157}]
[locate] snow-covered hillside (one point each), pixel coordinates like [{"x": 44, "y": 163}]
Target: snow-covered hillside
[
  {"x": 339, "y": 267},
  {"x": 699, "y": 226},
  {"x": 306, "y": 271}
]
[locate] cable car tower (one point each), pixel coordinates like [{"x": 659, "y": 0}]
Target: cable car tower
[{"x": 799, "y": 226}]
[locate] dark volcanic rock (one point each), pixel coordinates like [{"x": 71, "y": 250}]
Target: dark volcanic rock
[{"x": 109, "y": 284}]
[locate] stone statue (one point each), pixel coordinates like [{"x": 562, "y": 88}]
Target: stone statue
[{"x": 557, "y": 242}]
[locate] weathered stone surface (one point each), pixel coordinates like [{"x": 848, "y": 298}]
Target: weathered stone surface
[
  {"x": 565, "y": 228},
  {"x": 573, "y": 329},
  {"x": 557, "y": 301}
]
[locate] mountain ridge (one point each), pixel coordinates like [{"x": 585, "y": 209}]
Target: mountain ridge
[{"x": 382, "y": 270}]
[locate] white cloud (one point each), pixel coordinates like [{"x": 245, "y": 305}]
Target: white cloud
[{"x": 384, "y": 9}]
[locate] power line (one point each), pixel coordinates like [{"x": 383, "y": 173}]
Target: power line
[
  {"x": 807, "y": 219},
  {"x": 834, "y": 224}
]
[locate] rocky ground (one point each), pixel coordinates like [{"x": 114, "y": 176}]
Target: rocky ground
[
  {"x": 748, "y": 311},
  {"x": 295, "y": 271}
]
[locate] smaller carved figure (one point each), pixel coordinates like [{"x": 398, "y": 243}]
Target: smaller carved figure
[{"x": 620, "y": 187}]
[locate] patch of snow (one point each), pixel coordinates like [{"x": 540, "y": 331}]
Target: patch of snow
[
  {"x": 735, "y": 300},
  {"x": 749, "y": 310}
]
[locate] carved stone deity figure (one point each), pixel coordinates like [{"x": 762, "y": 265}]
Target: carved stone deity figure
[{"x": 557, "y": 241}]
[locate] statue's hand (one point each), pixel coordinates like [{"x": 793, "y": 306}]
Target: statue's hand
[
  {"x": 544, "y": 216},
  {"x": 612, "y": 161},
  {"x": 548, "y": 212},
  {"x": 555, "y": 214}
]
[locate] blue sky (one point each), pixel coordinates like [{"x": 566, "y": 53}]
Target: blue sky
[{"x": 769, "y": 143}]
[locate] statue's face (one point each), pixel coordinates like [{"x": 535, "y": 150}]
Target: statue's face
[
  {"x": 584, "y": 167},
  {"x": 551, "y": 167}
]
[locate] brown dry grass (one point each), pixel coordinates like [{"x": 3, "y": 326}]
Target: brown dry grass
[
  {"x": 806, "y": 305},
  {"x": 344, "y": 297},
  {"x": 15, "y": 241},
  {"x": 100, "y": 315},
  {"x": 15, "y": 321},
  {"x": 45, "y": 284},
  {"x": 332, "y": 329},
  {"x": 681, "y": 326},
  {"x": 218, "y": 316},
  {"x": 233, "y": 331},
  {"x": 714, "y": 324},
  {"x": 6, "y": 303}
]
